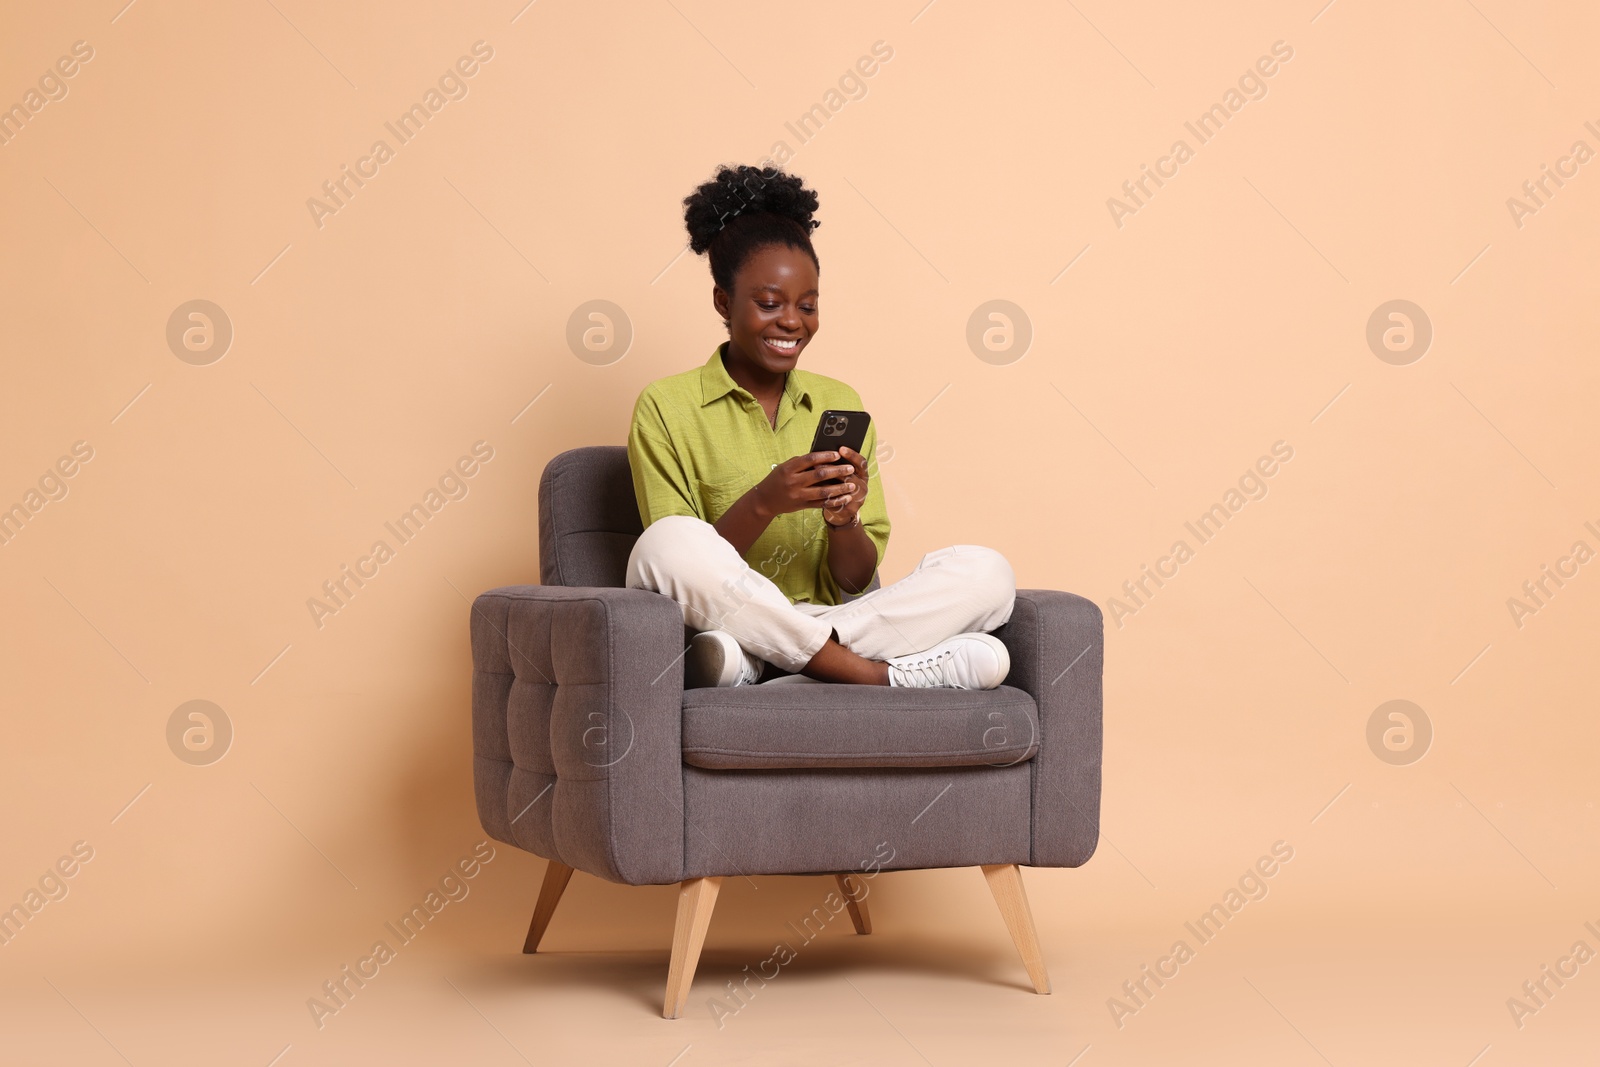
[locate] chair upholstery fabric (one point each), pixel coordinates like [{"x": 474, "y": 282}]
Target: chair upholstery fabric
[
  {"x": 588, "y": 517},
  {"x": 576, "y": 727},
  {"x": 783, "y": 726},
  {"x": 1057, "y": 646},
  {"x": 819, "y": 821},
  {"x": 588, "y": 750}
]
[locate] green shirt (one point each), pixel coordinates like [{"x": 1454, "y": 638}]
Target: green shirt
[{"x": 699, "y": 441}]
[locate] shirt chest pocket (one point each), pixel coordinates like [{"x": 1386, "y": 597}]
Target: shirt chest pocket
[
  {"x": 719, "y": 496},
  {"x": 722, "y": 487},
  {"x": 730, "y": 472}
]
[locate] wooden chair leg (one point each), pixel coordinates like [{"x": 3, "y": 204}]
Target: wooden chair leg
[
  {"x": 849, "y": 888},
  {"x": 1005, "y": 882},
  {"x": 696, "y": 899},
  {"x": 556, "y": 876}
]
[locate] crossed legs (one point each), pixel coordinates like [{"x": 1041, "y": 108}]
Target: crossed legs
[{"x": 957, "y": 589}]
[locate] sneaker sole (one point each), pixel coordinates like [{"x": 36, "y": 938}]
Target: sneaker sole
[{"x": 708, "y": 665}]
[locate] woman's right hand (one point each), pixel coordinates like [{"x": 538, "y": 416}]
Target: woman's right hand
[{"x": 792, "y": 485}]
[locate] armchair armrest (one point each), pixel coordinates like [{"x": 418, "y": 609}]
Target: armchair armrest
[
  {"x": 1057, "y": 646},
  {"x": 577, "y": 705}
]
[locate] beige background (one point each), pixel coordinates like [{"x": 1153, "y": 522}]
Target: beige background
[{"x": 1168, "y": 354}]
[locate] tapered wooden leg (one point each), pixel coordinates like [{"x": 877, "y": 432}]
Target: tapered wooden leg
[
  {"x": 696, "y": 899},
  {"x": 556, "y": 876},
  {"x": 1005, "y": 882},
  {"x": 855, "y": 893}
]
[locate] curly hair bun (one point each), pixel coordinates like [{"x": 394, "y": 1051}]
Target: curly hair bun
[{"x": 742, "y": 191}]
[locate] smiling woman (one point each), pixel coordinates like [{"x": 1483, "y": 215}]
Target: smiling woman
[{"x": 762, "y": 541}]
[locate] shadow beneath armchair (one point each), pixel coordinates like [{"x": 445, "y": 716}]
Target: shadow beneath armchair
[
  {"x": 632, "y": 975},
  {"x": 637, "y": 976},
  {"x": 829, "y": 958}
]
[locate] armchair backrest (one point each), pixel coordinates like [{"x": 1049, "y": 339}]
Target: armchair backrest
[{"x": 588, "y": 518}]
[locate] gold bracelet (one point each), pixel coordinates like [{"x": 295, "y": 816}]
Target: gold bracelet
[{"x": 843, "y": 525}]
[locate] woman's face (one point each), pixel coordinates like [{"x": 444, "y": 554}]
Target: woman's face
[{"x": 772, "y": 311}]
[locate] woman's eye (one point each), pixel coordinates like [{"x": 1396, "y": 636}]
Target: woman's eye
[
  {"x": 808, "y": 310},
  {"x": 769, "y": 307}
]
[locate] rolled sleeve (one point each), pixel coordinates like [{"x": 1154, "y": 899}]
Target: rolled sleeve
[{"x": 659, "y": 483}]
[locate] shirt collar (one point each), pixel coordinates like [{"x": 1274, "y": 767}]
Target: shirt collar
[{"x": 716, "y": 383}]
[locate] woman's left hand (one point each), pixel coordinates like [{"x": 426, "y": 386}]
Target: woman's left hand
[{"x": 841, "y": 510}]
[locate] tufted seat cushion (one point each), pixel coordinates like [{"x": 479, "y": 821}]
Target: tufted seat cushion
[{"x": 775, "y": 726}]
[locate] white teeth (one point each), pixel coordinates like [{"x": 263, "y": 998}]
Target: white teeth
[{"x": 780, "y": 344}]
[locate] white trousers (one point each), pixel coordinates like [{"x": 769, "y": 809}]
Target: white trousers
[{"x": 959, "y": 589}]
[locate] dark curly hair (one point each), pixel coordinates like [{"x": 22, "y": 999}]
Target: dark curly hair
[{"x": 743, "y": 209}]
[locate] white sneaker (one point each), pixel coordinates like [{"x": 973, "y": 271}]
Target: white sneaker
[
  {"x": 966, "y": 661},
  {"x": 715, "y": 660}
]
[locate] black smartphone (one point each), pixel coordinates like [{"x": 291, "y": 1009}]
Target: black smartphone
[{"x": 840, "y": 429}]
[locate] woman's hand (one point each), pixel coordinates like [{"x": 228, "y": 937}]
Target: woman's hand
[
  {"x": 792, "y": 485},
  {"x": 841, "y": 509},
  {"x": 852, "y": 555}
]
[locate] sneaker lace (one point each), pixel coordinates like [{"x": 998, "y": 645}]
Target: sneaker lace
[{"x": 927, "y": 673}]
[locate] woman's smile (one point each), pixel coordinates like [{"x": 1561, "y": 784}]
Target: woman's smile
[{"x": 784, "y": 347}]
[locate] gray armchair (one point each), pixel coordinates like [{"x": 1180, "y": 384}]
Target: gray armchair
[{"x": 588, "y": 751}]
